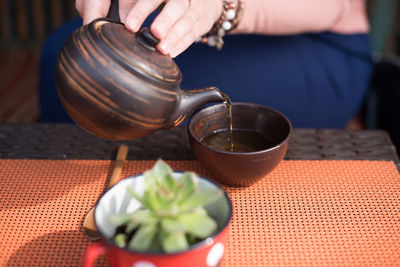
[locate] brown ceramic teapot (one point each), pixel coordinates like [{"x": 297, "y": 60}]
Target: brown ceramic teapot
[{"x": 116, "y": 85}]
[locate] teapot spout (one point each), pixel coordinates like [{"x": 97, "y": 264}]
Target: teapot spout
[{"x": 190, "y": 100}]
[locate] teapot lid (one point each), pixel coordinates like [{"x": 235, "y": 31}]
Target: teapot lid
[{"x": 137, "y": 51}]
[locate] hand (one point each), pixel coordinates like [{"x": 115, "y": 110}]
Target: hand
[
  {"x": 92, "y": 9},
  {"x": 178, "y": 25}
]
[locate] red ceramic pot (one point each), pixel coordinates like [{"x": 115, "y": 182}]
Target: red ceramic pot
[{"x": 206, "y": 253}]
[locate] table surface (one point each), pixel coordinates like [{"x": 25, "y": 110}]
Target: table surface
[
  {"x": 68, "y": 141},
  {"x": 303, "y": 213}
]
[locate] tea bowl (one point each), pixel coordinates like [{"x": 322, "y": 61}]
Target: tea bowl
[
  {"x": 240, "y": 168},
  {"x": 117, "y": 200}
]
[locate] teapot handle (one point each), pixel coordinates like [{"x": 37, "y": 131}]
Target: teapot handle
[{"x": 113, "y": 13}]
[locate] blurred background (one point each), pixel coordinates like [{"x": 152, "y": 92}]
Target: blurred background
[{"x": 25, "y": 24}]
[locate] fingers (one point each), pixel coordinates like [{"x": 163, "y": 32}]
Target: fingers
[
  {"x": 124, "y": 7},
  {"x": 178, "y": 25},
  {"x": 139, "y": 12},
  {"x": 79, "y": 6},
  {"x": 186, "y": 41},
  {"x": 172, "y": 11},
  {"x": 92, "y": 9},
  {"x": 196, "y": 21},
  {"x": 179, "y": 30}
]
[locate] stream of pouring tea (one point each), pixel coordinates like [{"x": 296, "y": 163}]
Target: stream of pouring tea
[
  {"x": 228, "y": 106},
  {"x": 238, "y": 140}
]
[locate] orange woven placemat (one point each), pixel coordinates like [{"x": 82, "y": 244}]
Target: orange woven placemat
[{"x": 303, "y": 213}]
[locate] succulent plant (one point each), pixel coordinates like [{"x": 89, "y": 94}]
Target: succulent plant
[{"x": 172, "y": 215}]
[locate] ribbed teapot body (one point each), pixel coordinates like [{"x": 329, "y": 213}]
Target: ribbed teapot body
[{"x": 110, "y": 94}]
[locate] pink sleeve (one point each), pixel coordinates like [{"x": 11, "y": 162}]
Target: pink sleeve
[{"x": 298, "y": 16}]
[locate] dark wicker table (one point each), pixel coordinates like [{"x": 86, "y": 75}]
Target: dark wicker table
[{"x": 68, "y": 141}]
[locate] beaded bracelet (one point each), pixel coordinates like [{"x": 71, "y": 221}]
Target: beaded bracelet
[{"x": 231, "y": 14}]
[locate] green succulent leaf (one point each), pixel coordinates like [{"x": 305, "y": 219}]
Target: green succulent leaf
[
  {"x": 143, "y": 238},
  {"x": 174, "y": 242},
  {"x": 197, "y": 224},
  {"x": 187, "y": 185},
  {"x": 166, "y": 201},
  {"x": 155, "y": 245},
  {"x": 143, "y": 217},
  {"x": 150, "y": 197},
  {"x": 199, "y": 199},
  {"x": 169, "y": 182},
  {"x": 160, "y": 171},
  {"x": 120, "y": 219},
  {"x": 138, "y": 217},
  {"x": 172, "y": 214},
  {"x": 149, "y": 180},
  {"x": 191, "y": 238},
  {"x": 120, "y": 240},
  {"x": 131, "y": 226},
  {"x": 161, "y": 168},
  {"x": 138, "y": 197},
  {"x": 170, "y": 225},
  {"x": 171, "y": 211},
  {"x": 200, "y": 210}
]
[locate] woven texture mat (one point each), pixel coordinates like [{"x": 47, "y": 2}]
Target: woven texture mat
[{"x": 304, "y": 213}]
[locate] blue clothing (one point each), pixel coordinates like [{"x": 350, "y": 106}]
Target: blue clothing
[
  {"x": 317, "y": 80},
  {"x": 51, "y": 109}
]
